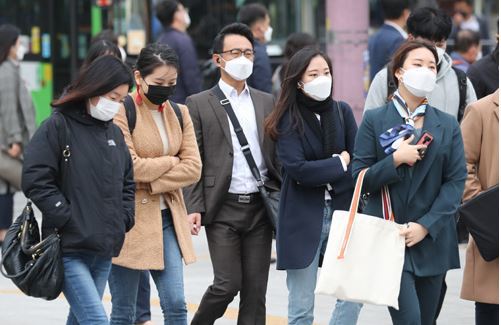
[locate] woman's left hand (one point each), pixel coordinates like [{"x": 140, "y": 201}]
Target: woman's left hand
[{"x": 413, "y": 233}]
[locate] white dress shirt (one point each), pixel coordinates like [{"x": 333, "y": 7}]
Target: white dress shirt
[
  {"x": 242, "y": 181},
  {"x": 159, "y": 121}
]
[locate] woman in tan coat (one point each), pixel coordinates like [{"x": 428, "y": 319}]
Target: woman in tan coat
[
  {"x": 166, "y": 159},
  {"x": 481, "y": 146}
]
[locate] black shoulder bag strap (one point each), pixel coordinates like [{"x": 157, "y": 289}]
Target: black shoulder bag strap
[
  {"x": 64, "y": 134},
  {"x": 462, "y": 83},
  {"x": 341, "y": 115},
  {"x": 244, "y": 145},
  {"x": 179, "y": 115},
  {"x": 130, "y": 112}
]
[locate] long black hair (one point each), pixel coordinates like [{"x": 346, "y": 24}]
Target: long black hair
[
  {"x": 102, "y": 76},
  {"x": 155, "y": 55},
  {"x": 8, "y": 38},
  {"x": 287, "y": 101}
]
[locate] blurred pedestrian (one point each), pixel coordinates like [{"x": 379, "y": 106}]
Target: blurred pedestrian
[
  {"x": 315, "y": 140},
  {"x": 226, "y": 198},
  {"x": 17, "y": 121},
  {"x": 466, "y": 49},
  {"x": 390, "y": 36},
  {"x": 110, "y": 36},
  {"x": 480, "y": 128},
  {"x": 464, "y": 18},
  {"x": 100, "y": 48},
  {"x": 176, "y": 20},
  {"x": 453, "y": 90},
  {"x": 166, "y": 159},
  {"x": 90, "y": 198},
  {"x": 294, "y": 43},
  {"x": 425, "y": 182},
  {"x": 484, "y": 74},
  {"x": 256, "y": 16}
]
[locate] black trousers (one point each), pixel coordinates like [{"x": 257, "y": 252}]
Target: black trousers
[
  {"x": 239, "y": 241},
  {"x": 418, "y": 300},
  {"x": 486, "y": 314},
  {"x": 6, "y": 210}
]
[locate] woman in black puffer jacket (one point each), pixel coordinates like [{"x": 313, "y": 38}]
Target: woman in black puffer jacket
[{"x": 88, "y": 195}]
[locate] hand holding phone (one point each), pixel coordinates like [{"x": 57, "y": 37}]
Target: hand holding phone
[{"x": 426, "y": 139}]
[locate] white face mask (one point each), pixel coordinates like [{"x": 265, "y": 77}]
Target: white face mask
[
  {"x": 267, "y": 34},
  {"x": 319, "y": 88},
  {"x": 419, "y": 81},
  {"x": 21, "y": 50},
  {"x": 187, "y": 19},
  {"x": 239, "y": 68},
  {"x": 105, "y": 109},
  {"x": 440, "y": 52}
]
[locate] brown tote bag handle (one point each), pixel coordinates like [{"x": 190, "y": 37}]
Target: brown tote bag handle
[{"x": 386, "y": 204}]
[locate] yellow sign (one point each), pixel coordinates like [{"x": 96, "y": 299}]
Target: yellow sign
[{"x": 35, "y": 40}]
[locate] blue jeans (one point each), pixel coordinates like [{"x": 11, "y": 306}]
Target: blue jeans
[
  {"x": 85, "y": 277},
  {"x": 143, "y": 312},
  {"x": 124, "y": 284},
  {"x": 301, "y": 284}
]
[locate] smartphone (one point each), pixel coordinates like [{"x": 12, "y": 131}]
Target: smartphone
[{"x": 425, "y": 139}]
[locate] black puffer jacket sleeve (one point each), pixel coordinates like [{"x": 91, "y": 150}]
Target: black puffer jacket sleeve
[
  {"x": 41, "y": 171},
  {"x": 129, "y": 190}
]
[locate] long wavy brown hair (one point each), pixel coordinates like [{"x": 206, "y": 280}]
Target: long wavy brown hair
[{"x": 287, "y": 101}]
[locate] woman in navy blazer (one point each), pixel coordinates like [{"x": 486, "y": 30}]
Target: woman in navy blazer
[
  {"x": 315, "y": 139},
  {"x": 425, "y": 190}
]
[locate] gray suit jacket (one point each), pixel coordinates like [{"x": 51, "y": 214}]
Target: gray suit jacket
[{"x": 214, "y": 141}]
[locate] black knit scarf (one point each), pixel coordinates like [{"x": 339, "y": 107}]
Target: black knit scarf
[{"x": 324, "y": 129}]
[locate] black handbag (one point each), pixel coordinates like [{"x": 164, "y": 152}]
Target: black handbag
[
  {"x": 271, "y": 198},
  {"x": 34, "y": 266},
  {"x": 481, "y": 217}
]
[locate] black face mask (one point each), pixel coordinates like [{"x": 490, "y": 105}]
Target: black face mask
[{"x": 159, "y": 94}]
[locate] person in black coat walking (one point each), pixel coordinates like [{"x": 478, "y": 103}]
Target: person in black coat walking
[
  {"x": 315, "y": 139},
  {"x": 78, "y": 171}
]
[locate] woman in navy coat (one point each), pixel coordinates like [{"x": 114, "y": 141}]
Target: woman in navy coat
[
  {"x": 315, "y": 139},
  {"x": 425, "y": 186}
]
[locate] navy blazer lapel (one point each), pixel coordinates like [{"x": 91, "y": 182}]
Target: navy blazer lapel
[
  {"x": 221, "y": 116},
  {"x": 259, "y": 112},
  {"x": 431, "y": 125}
]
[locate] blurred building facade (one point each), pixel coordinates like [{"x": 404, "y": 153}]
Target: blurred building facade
[{"x": 58, "y": 33}]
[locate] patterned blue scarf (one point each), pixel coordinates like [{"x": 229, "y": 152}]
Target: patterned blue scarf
[{"x": 391, "y": 139}]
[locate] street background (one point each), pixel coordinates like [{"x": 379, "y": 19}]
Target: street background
[{"x": 18, "y": 309}]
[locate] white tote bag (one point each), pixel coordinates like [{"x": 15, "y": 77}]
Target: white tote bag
[{"x": 365, "y": 255}]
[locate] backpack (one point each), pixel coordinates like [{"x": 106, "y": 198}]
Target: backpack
[
  {"x": 460, "y": 74},
  {"x": 130, "y": 113}
]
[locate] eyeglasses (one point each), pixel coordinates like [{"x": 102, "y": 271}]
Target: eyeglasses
[{"x": 235, "y": 53}]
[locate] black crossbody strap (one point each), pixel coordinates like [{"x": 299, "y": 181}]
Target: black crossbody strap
[
  {"x": 64, "y": 134},
  {"x": 244, "y": 144}
]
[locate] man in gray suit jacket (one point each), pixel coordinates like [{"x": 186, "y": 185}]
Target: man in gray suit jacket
[{"x": 226, "y": 199}]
